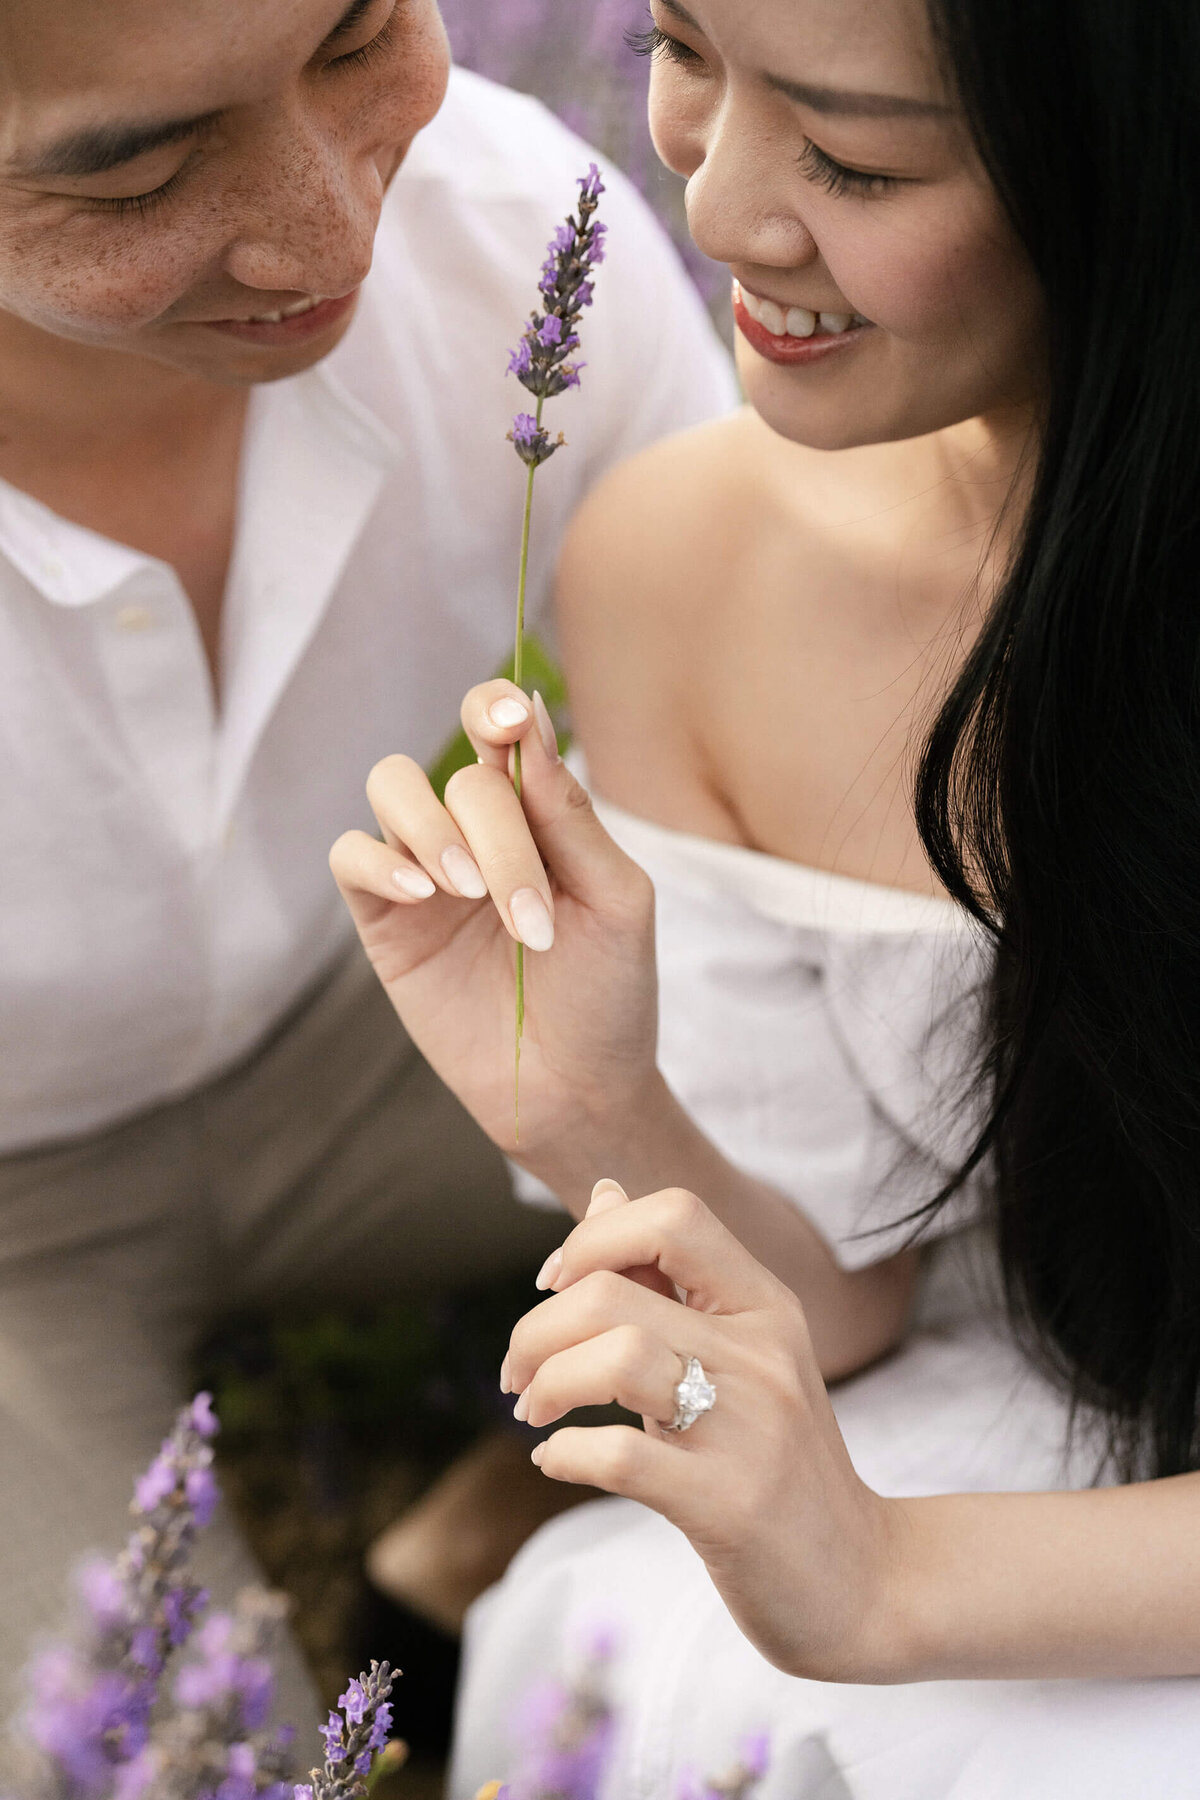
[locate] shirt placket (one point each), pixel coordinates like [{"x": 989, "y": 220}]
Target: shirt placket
[{"x": 149, "y": 645}]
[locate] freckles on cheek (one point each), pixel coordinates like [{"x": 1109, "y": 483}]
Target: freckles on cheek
[{"x": 111, "y": 291}]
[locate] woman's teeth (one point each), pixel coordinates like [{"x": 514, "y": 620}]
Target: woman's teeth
[
  {"x": 797, "y": 321},
  {"x": 288, "y": 312}
]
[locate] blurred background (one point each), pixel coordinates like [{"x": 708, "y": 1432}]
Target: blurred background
[
  {"x": 573, "y": 55},
  {"x": 334, "y": 1424}
]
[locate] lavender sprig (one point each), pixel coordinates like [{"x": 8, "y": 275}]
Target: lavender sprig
[
  {"x": 92, "y": 1694},
  {"x": 569, "y": 1730},
  {"x": 541, "y": 362},
  {"x": 215, "y": 1742},
  {"x": 740, "y": 1781},
  {"x": 353, "y": 1740}
]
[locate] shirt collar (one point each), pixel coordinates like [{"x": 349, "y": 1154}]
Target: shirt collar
[{"x": 73, "y": 566}]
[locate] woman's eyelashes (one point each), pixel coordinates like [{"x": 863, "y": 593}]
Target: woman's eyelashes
[
  {"x": 819, "y": 167},
  {"x": 655, "y": 42},
  {"x": 836, "y": 178}
]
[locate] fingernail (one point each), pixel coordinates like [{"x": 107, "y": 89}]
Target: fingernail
[
  {"x": 607, "y": 1193},
  {"x": 533, "y": 923},
  {"x": 462, "y": 871},
  {"x": 505, "y": 1377},
  {"x": 414, "y": 882},
  {"x": 545, "y": 725},
  {"x": 550, "y": 1271},
  {"x": 521, "y": 1409},
  {"x": 507, "y": 712},
  {"x": 537, "y": 1453}
]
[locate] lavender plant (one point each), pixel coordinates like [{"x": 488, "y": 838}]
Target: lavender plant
[
  {"x": 91, "y": 1695},
  {"x": 99, "y": 1722},
  {"x": 542, "y": 364},
  {"x": 354, "y": 1739},
  {"x": 568, "y": 1730},
  {"x": 739, "y": 1782}
]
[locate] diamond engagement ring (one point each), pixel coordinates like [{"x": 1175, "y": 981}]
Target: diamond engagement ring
[{"x": 694, "y": 1396}]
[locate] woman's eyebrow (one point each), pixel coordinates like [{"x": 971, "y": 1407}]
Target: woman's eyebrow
[
  {"x": 99, "y": 148},
  {"x": 847, "y": 102}
]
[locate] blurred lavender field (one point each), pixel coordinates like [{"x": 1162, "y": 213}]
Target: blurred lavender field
[{"x": 572, "y": 54}]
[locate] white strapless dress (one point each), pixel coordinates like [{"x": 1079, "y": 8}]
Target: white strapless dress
[{"x": 822, "y": 1031}]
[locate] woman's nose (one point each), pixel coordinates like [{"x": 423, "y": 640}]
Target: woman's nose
[{"x": 742, "y": 200}]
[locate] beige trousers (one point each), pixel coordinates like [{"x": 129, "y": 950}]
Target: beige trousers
[{"x": 332, "y": 1164}]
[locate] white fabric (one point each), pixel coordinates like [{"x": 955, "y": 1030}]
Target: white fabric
[
  {"x": 164, "y": 889},
  {"x": 822, "y": 1029},
  {"x": 811, "y": 1024}
]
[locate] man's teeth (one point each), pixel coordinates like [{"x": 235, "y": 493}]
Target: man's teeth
[
  {"x": 797, "y": 321},
  {"x": 289, "y": 312}
]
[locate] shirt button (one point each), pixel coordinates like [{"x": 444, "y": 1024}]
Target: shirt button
[{"x": 135, "y": 618}]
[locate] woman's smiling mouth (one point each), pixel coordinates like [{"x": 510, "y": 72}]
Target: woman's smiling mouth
[{"x": 792, "y": 334}]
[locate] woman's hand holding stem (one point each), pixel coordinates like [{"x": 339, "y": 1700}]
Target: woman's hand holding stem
[
  {"x": 827, "y": 1577},
  {"x": 439, "y": 904}
]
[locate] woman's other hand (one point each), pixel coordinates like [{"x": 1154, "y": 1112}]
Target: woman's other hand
[
  {"x": 800, "y": 1549},
  {"x": 442, "y": 901}
]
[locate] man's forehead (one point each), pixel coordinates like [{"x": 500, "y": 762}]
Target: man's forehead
[{"x": 77, "y": 64}]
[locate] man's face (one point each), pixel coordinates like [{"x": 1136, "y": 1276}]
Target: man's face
[{"x": 173, "y": 170}]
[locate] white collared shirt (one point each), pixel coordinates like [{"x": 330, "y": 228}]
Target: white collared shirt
[{"x": 164, "y": 888}]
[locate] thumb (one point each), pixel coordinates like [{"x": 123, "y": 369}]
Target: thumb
[
  {"x": 574, "y": 845},
  {"x": 607, "y": 1196}
]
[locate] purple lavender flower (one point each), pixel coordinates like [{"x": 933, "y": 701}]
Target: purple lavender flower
[
  {"x": 90, "y": 1696},
  {"x": 568, "y": 1731},
  {"x": 353, "y": 1739},
  {"x": 540, "y": 361},
  {"x": 740, "y": 1781}
]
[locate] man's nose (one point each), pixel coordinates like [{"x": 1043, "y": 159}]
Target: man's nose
[{"x": 309, "y": 224}]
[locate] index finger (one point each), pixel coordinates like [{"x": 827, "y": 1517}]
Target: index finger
[
  {"x": 495, "y": 716},
  {"x": 675, "y": 1232}
]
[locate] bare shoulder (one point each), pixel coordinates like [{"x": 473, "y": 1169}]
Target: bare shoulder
[{"x": 649, "y": 563}]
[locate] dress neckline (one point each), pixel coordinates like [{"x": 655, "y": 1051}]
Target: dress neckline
[{"x": 791, "y": 893}]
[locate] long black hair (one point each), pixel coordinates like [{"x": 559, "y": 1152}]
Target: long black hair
[{"x": 1059, "y": 791}]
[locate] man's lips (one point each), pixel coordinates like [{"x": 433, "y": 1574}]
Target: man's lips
[{"x": 297, "y": 329}]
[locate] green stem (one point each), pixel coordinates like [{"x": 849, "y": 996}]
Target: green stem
[{"x": 518, "y": 675}]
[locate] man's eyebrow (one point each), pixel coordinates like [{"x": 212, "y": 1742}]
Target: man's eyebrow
[
  {"x": 846, "y": 102},
  {"x": 99, "y": 148}
]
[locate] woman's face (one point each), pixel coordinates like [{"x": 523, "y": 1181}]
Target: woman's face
[
  {"x": 173, "y": 170},
  {"x": 829, "y": 168}
]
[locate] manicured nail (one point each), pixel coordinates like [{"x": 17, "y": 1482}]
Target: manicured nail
[
  {"x": 521, "y": 1409},
  {"x": 550, "y": 1271},
  {"x": 462, "y": 871},
  {"x": 505, "y": 1377},
  {"x": 533, "y": 923},
  {"x": 545, "y": 725},
  {"x": 507, "y": 712},
  {"x": 537, "y": 1453},
  {"x": 606, "y": 1194},
  {"x": 414, "y": 882}
]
